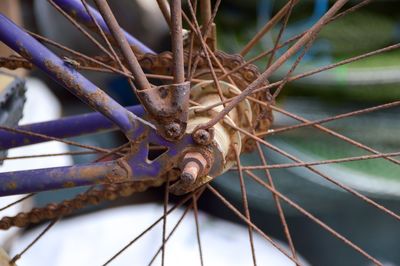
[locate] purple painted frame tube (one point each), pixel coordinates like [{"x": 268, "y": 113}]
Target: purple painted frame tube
[
  {"x": 31, "y": 181},
  {"x": 76, "y": 9},
  {"x": 63, "y": 73},
  {"x": 71, "y": 126},
  {"x": 134, "y": 167}
]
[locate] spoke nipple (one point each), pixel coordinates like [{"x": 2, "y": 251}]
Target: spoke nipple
[{"x": 173, "y": 130}]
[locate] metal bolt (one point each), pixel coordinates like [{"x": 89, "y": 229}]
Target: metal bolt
[
  {"x": 202, "y": 137},
  {"x": 194, "y": 164},
  {"x": 173, "y": 130},
  {"x": 190, "y": 172}
]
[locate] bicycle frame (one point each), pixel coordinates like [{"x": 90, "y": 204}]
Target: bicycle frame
[{"x": 133, "y": 167}]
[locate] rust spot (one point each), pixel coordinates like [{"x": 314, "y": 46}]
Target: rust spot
[
  {"x": 69, "y": 184},
  {"x": 11, "y": 185}
]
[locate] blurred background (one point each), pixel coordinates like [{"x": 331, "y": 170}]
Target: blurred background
[{"x": 362, "y": 84}]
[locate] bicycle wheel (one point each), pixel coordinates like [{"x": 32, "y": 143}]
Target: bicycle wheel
[{"x": 208, "y": 129}]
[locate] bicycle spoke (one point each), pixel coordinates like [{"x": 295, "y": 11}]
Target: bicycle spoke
[
  {"x": 196, "y": 219},
  {"x": 165, "y": 10},
  {"x": 268, "y": 26},
  {"x": 331, "y": 66},
  {"x": 296, "y": 37},
  {"x": 110, "y": 47},
  {"x": 73, "y": 153},
  {"x": 185, "y": 212},
  {"x": 312, "y": 169},
  {"x": 179, "y": 204},
  {"x": 248, "y": 222},
  {"x": 291, "y": 4},
  {"x": 292, "y": 68},
  {"x": 204, "y": 47},
  {"x": 277, "y": 64},
  {"x": 19, "y": 255},
  {"x": 204, "y": 33},
  {"x": 245, "y": 203},
  {"x": 205, "y": 8},
  {"x": 80, "y": 28},
  {"x": 315, "y": 219},
  {"x": 332, "y": 161},
  {"x": 189, "y": 75},
  {"x": 177, "y": 41},
  {"x": 276, "y": 200},
  {"x": 17, "y": 201},
  {"x": 165, "y": 206},
  {"x": 331, "y": 118},
  {"x": 69, "y": 142},
  {"x": 335, "y": 134}
]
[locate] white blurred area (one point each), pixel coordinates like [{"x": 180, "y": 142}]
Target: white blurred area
[
  {"x": 41, "y": 105},
  {"x": 94, "y": 238}
]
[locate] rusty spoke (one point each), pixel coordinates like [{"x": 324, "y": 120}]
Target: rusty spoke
[
  {"x": 171, "y": 233},
  {"x": 292, "y": 68},
  {"x": 245, "y": 203},
  {"x": 268, "y": 26},
  {"x": 332, "y": 161},
  {"x": 315, "y": 219},
  {"x": 205, "y": 11},
  {"x": 103, "y": 35},
  {"x": 165, "y": 10},
  {"x": 179, "y": 204},
  {"x": 276, "y": 200},
  {"x": 277, "y": 64},
  {"x": 80, "y": 28},
  {"x": 309, "y": 73},
  {"x": 248, "y": 222},
  {"x": 332, "y": 118},
  {"x": 177, "y": 41},
  {"x": 196, "y": 219},
  {"x": 328, "y": 178},
  {"x": 295, "y": 38},
  {"x": 206, "y": 51},
  {"x": 203, "y": 35},
  {"x": 335, "y": 134},
  {"x": 164, "y": 230},
  {"x": 69, "y": 142},
  {"x": 291, "y": 4}
]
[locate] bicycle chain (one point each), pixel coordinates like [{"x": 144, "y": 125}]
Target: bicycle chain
[{"x": 160, "y": 64}]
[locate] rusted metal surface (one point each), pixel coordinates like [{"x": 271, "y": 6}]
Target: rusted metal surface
[
  {"x": 203, "y": 136},
  {"x": 193, "y": 165},
  {"x": 168, "y": 107},
  {"x": 177, "y": 41},
  {"x": 204, "y": 161}
]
